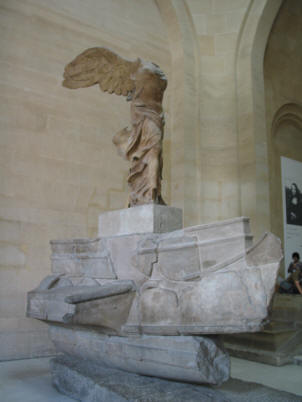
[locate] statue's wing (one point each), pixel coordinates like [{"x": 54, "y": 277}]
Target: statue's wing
[{"x": 101, "y": 66}]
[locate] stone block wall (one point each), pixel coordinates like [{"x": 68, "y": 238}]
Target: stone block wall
[
  {"x": 59, "y": 168},
  {"x": 217, "y": 25}
]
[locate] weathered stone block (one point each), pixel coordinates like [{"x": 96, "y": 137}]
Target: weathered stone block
[{"x": 149, "y": 218}]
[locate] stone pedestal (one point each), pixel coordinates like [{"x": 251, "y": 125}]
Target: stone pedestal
[
  {"x": 151, "y": 218},
  {"x": 134, "y": 298}
]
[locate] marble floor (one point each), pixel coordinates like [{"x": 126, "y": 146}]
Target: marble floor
[{"x": 29, "y": 380}]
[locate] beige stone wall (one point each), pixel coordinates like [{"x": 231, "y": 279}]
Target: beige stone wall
[
  {"x": 251, "y": 122},
  {"x": 233, "y": 148},
  {"x": 59, "y": 169},
  {"x": 217, "y": 25},
  {"x": 184, "y": 92},
  {"x": 283, "y": 90}
]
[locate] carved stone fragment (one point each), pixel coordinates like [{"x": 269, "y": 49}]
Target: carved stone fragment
[{"x": 150, "y": 302}]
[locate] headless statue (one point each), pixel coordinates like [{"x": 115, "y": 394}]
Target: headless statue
[{"x": 143, "y": 83}]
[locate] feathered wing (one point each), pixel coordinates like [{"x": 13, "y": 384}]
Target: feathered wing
[{"x": 101, "y": 66}]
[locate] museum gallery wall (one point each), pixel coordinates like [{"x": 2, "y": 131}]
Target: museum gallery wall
[{"x": 59, "y": 172}]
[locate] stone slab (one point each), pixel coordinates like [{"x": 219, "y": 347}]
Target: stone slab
[
  {"x": 269, "y": 357},
  {"x": 150, "y": 218},
  {"x": 287, "y": 308},
  {"x": 298, "y": 360},
  {"x": 89, "y": 383}
]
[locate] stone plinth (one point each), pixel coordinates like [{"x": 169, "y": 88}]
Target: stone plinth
[
  {"x": 138, "y": 300},
  {"x": 151, "y": 218}
]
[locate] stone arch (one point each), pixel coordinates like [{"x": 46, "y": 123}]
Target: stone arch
[
  {"x": 251, "y": 119},
  {"x": 184, "y": 108},
  {"x": 283, "y": 89},
  {"x": 288, "y": 113},
  {"x": 286, "y": 130}
]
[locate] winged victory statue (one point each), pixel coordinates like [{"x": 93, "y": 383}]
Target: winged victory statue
[
  {"x": 149, "y": 302},
  {"x": 143, "y": 83}
]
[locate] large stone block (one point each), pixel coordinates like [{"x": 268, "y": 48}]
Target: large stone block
[
  {"x": 149, "y": 218},
  {"x": 163, "y": 289}
]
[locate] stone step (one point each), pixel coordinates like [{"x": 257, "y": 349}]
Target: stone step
[
  {"x": 258, "y": 355},
  {"x": 287, "y": 308},
  {"x": 278, "y": 327},
  {"x": 298, "y": 360},
  {"x": 269, "y": 340},
  {"x": 276, "y": 349}
]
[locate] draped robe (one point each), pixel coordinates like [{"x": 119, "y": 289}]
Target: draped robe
[{"x": 142, "y": 144}]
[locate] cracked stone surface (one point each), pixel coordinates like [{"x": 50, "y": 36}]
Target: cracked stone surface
[{"x": 88, "y": 383}]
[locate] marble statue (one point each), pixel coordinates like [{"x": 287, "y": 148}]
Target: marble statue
[
  {"x": 148, "y": 296},
  {"x": 144, "y": 84},
  {"x": 148, "y": 299},
  {"x": 188, "y": 281}
]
